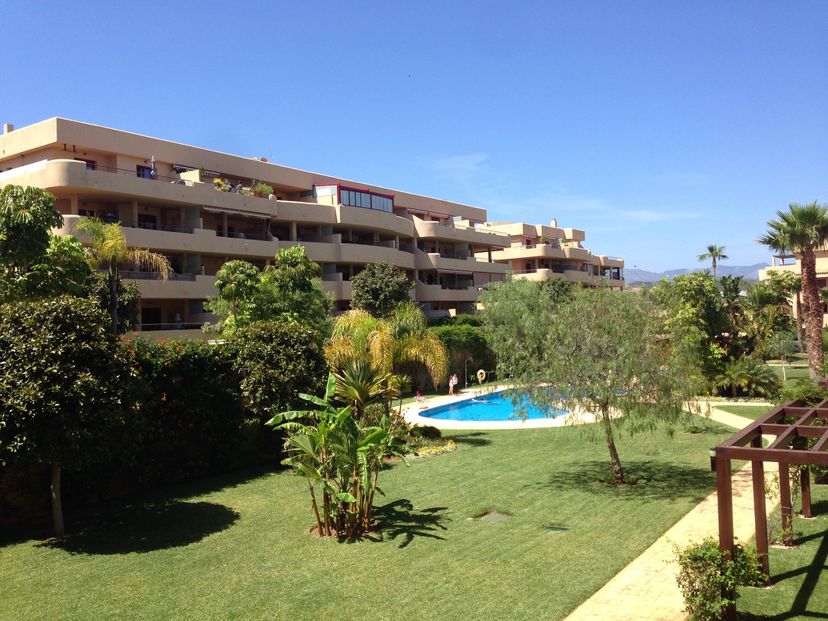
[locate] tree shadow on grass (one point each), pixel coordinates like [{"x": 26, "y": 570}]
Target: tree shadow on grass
[
  {"x": 149, "y": 526},
  {"x": 811, "y": 572},
  {"x": 474, "y": 438},
  {"x": 653, "y": 480},
  {"x": 399, "y": 519}
]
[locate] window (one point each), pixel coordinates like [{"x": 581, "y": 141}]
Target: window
[
  {"x": 90, "y": 164},
  {"x": 367, "y": 200},
  {"x": 145, "y": 172}
]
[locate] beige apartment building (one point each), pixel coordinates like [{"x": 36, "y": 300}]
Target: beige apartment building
[
  {"x": 790, "y": 263},
  {"x": 196, "y": 207}
]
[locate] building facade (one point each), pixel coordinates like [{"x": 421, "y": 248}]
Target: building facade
[
  {"x": 201, "y": 208},
  {"x": 790, "y": 263}
]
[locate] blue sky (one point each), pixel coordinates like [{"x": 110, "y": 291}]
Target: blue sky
[{"x": 659, "y": 127}]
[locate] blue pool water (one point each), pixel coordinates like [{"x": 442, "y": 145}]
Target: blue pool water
[{"x": 492, "y": 407}]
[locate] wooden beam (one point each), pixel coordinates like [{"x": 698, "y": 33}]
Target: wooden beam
[
  {"x": 790, "y": 456},
  {"x": 805, "y": 485},
  {"x": 724, "y": 498},
  {"x": 806, "y": 431},
  {"x": 785, "y": 504},
  {"x": 822, "y": 443},
  {"x": 760, "y": 515}
]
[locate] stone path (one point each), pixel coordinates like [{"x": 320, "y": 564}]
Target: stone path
[{"x": 646, "y": 588}]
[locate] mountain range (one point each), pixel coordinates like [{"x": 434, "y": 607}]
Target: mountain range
[{"x": 748, "y": 272}]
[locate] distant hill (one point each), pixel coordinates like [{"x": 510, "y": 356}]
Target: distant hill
[{"x": 748, "y": 272}]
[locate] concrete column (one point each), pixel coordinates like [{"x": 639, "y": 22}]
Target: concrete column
[
  {"x": 73, "y": 205},
  {"x": 294, "y": 234},
  {"x": 224, "y": 223},
  {"x": 134, "y": 206},
  {"x": 182, "y": 217},
  {"x": 397, "y": 242}
]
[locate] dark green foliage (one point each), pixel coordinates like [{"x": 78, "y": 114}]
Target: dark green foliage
[
  {"x": 276, "y": 360},
  {"x": 466, "y": 319},
  {"x": 706, "y": 575},
  {"x": 60, "y": 380},
  {"x": 189, "y": 419},
  {"x": 27, "y": 215},
  {"x": 748, "y": 376},
  {"x": 802, "y": 389},
  {"x": 379, "y": 288},
  {"x": 426, "y": 431},
  {"x": 464, "y": 342}
]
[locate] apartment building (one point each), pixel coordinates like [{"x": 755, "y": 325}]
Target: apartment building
[
  {"x": 790, "y": 263},
  {"x": 199, "y": 208}
]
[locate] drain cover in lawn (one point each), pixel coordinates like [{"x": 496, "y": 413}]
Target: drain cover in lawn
[{"x": 494, "y": 516}]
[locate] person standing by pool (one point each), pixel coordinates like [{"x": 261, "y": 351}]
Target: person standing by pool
[{"x": 453, "y": 381}]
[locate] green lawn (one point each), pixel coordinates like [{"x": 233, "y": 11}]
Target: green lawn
[
  {"x": 238, "y": 546},
  {"x": 791, "y": 372},
  {"x": 747, "y": 410},
  {"x": 799, "y": 575}
]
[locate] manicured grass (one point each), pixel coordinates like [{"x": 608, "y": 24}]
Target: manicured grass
[
  {"x": 746, "y": 410},
  {"x": 799, "y": 576},
  {"x": 238, "y": 546},
  {"x": 791, "y": 373}
]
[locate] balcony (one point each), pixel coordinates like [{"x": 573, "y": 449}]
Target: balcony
[
  {"x": 459, "y": 233},
  {"x": 435, "y": 261},
  {"x": 436, "y": 293},
  {"x": 541, "y": 251},
  {"x": 178, "y": 287}
]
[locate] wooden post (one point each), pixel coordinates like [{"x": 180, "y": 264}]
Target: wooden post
[
  {"x": 785, "y": 503},
  {"x": 760, "y": 516},
  {"x": 724, "y": 496},
  {"x": 805, "y": 482}
]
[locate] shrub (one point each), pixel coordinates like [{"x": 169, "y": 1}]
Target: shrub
[
  {"x": 706, "y": 576},
  {"x": 463, "y": 342},
  {"x": 802, "y": 389},
  {"x": 277, "y": 360},
  {"x": 190, "y": 420}
]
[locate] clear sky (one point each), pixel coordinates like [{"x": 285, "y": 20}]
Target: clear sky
[{"x": 658, "y": 127}]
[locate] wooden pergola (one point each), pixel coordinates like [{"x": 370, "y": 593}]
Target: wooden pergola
[{"x": 801, "y": 438}]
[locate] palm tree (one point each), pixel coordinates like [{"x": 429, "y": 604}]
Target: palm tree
[
  {"x": 108, "y": 250},
  {"x": 387, "y": 344},
  {"x": 715, "y": 254},
  {"x": 801, "y": 230}
]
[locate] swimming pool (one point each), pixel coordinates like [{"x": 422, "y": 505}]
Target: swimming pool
[{"x": 492, "y": 407}]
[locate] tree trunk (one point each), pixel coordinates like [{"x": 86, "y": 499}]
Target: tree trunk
[
  {"x": 113, "y": 300},
  {"x": 714, "y": 268},
  {"x": 617, "y": 471},
  {"x": 813, "y": 317},
  {"x": 57, "y": 507},
  {"x": 800, "y": 329}
]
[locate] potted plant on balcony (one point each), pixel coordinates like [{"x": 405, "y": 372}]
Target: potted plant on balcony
[
  {"x": 262, "y": 190},
  {"x": 222, "y": 185}
]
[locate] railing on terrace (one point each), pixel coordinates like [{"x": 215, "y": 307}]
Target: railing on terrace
[
  {"x": 246, "y": 235},
  {"x": 138, "y": 275},
  {"x": 161, "y": 227},
  {"x": 147, "y": 327},
  {"x": 134, "y": 173}
]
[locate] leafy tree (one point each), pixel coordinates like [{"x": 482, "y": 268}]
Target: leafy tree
[
  {"x": 783, "y": 345},
  {"x": 236, "y": 282},
  {"x": 801, "y": 230},
  {"x": 277, "y": 360},
  {"x": 62, "y": 269},
  {"x": 27, "y": 215},
  {"x": 128, "y": 296},
  {"x": 109, "y": 251},
  {"x": 379, "y": 288},
  {"x": 288, "y": 290},
  {"x": 603, "y": 352},
  {"x": 60, "y": 383},
  {"x": 696, "y": 314},
  {"x": 714, "y": 254}
]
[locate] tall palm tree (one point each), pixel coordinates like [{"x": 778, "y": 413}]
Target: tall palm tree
[
  {"x": 387, "y": 344},
  {"x": 715, "y": 254},
  {"x": 108, "y": 250},
  {"x": 801, "y": 230}
]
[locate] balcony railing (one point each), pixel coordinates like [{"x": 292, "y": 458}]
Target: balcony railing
[
  {"x": 180, "y": 325},
  {"x": 161, "y": 227},
  {"x": 138, "y": 275},
  {"x": 134, "y": 173}
]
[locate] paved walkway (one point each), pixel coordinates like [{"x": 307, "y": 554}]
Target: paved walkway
[{"x": 646, "y": 588}]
